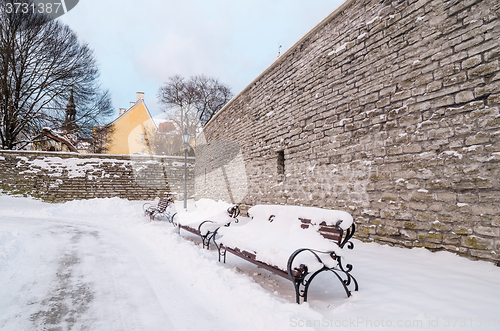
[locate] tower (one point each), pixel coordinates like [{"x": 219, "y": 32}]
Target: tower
[{"x": 70, "y": 120}]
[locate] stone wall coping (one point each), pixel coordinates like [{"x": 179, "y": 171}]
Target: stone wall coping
[
  {"x": 64, "y": 176},
  {"x": 103, "y": 156}
]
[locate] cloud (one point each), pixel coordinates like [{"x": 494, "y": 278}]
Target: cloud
[{"x": 139, "y": 44}]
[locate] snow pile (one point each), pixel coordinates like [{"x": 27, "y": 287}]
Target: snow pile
[
  {"x": 103, "y": 210},
  {"x": 275, "y": 232}
]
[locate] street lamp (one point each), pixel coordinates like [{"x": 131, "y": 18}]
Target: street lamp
[{"x": 185, "y": 140}]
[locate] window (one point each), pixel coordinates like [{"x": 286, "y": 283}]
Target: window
[{"x": 281, "y": 162}]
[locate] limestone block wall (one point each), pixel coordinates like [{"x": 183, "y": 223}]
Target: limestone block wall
[
  {"x": 388, "y": 110},
  {"x": 55, "y": 176}
]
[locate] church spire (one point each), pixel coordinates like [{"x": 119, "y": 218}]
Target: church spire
[{"x": 69, "y": 122}]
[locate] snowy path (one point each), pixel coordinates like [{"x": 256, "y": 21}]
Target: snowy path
[
  {"x": 81, "y": 266},
  {"x": 84, "y": 277},
  {"x": 100, "y": 265}
]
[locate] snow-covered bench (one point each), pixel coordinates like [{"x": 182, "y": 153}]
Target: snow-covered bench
[
  {"x": 162, "y": 209},
  {"x": 294, "y": 242},
  {"x": 222, "y": 214}
]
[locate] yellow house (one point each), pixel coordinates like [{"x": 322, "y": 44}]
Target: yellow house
[{"x": 131, "y": 131}]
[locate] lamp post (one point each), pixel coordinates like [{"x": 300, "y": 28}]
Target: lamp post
[{"x": 185, "y": 140}]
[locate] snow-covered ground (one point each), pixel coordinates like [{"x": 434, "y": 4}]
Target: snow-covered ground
[{"x": 100, "y": 265}]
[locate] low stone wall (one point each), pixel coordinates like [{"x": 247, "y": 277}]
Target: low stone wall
[{"x": 54, "y": 176}]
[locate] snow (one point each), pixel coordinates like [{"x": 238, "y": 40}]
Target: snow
[
  {"x": 372, "y": 20},
  {"x": 101, "y": 265},
  {"x": 454, "y": 153},
  {"x": 494, "y": 156},
  {"x": 181, "y": 164},
  {"x": 361, "y": 36},
  {"x": 471, "y": 148},
  {"x": 205, "y": 209},
  {"x": 74, "y": 166},
  {"x": 339, "y": 49}
]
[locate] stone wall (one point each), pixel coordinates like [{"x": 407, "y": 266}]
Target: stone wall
[
  {"x": 388, "y": 110},
  {"x": 55, "y": 176}
]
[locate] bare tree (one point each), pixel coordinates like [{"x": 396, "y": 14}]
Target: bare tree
[
  {"x": 211, "y": 96},
  {"x": 168, "y": 145},
  {"x": 179, "y": 98},
  {"x": 101, "y": 138},
  {"x": 41, "y": 62},
  {"x": 193, "y": 102}
]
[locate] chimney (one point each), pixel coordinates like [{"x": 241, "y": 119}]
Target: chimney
[
  {"x": 139, "y": 96},
  {"x": 122, "y": 110}
]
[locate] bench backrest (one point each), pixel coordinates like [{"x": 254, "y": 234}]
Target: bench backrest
[
  {"x": 331, "y": 231},
  {"x": 164, "y": 203}
]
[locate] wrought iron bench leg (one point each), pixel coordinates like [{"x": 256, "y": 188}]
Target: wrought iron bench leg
[
  {"x": 210, "y": 236},
  {"x": 205, "y": 238},
  {"x": 347, "y": 271},
  {"x": 343, "y": 282},
  {"x": 222, "y": 252},
  {"x": 302, "y": 279}
]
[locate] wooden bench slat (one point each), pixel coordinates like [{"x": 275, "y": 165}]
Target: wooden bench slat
[
  {"x": 250, "y": 255},
  {"x": 190, "y": 229},
  {"x": 331, "y": 236},
  {"x": 275, "y": 270},
  {"x": 329, "y": 229}
]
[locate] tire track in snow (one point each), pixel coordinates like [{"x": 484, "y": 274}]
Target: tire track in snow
[{"x": 70, "y": 297}]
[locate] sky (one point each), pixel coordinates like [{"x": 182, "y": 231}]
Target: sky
[{"x": 140, "y": 44}]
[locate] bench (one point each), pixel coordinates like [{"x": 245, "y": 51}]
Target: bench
[
  {"x": 207, "y": 229},
  {"x": 291, "y": 244},
  {"x": 161, "y": 209}
]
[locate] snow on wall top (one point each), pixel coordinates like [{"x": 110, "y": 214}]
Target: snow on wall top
[{"x": 75, "y": 167}]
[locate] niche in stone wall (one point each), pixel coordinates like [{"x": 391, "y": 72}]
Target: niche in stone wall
[{"x": 281, "y": 165}]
